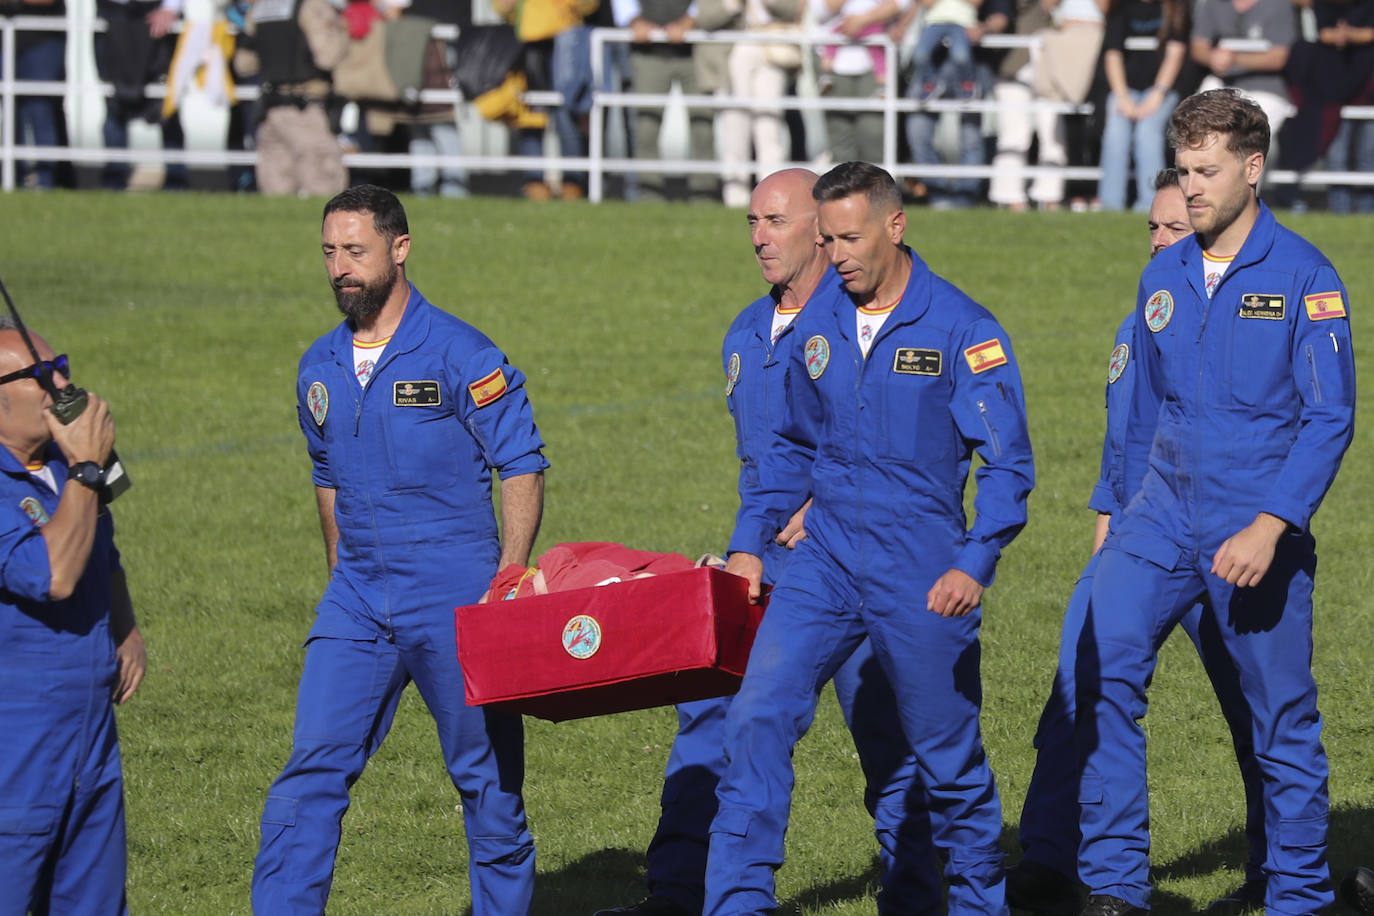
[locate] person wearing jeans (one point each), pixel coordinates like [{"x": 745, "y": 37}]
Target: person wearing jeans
[{"x": 1142, "y": 95}]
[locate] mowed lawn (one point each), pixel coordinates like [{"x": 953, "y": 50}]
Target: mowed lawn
[{"x": 189, "y": 314}]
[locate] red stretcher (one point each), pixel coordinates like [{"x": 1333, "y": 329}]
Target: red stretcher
[{"x": 634, "y": 644}]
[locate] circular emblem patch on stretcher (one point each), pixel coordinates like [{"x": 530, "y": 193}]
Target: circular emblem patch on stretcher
[{"x": 581, "y": 636}]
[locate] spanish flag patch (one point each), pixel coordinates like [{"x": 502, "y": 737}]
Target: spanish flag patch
[
  {"x": 489, "y": 388},
  {"x": 986, "y": 355},
  {"x": 1321, "y": 306}
]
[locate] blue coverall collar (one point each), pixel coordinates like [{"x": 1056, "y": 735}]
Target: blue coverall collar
[
  {"x": 410, "y": 333},
  {"x": 914, "y": 303},
  {"x": 1252, "y": 251}
]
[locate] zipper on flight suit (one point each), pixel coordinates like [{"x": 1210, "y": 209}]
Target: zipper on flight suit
[
  {"x": 1312, "y": 365},
  {"x": 992, "y": 430}
]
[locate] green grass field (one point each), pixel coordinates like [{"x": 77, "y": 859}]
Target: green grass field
[{"x": 189, "y": 314}]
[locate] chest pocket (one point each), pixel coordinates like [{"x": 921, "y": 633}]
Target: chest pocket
[
  {"x": 426, "y": 447},
  {"x": 1260, "y": 371},
  {"x": 915, "y": 423}
]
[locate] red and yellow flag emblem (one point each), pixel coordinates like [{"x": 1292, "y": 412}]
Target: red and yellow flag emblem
[
  {"x": 1324, "y": 305},
  {"x": 488, "y": 389},
  {"x": 986, "y": 355}
]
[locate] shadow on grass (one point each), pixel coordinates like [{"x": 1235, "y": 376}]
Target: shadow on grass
[
  {"x": 1350, "y": 842},
  {"x": 605, "y": 878}
]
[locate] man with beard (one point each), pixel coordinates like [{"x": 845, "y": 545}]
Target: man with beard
[
  {"x": 1045, "y": 881},
  {"x": 406, "y": 412},
  {"x": 1243, "y": 340}
]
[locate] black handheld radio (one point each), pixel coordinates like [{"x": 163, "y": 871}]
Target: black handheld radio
[{"x": 67, "y": 404}]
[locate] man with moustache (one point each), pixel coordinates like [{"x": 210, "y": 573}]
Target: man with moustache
[
  {"x": 755, "y": 356},
  {"x": 1243, "y": 338},
  {"x": 896, "y": 378},
  {"x": 406, "y": 412},
  {"x": 69, "y": 649},
  {"x": 1045, "y": 880}
]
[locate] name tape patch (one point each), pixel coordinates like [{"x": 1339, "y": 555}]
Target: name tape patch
[
  {"x": 1321, "y": 306},
  {"x": 424, "y": 393},
  {"x": 916, "y": 361},
  {"x": 986, "y": 355},
  {"x": 1262, "y": 305},
  {"x": 486, "y": 390}
]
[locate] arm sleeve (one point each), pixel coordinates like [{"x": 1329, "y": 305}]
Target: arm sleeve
[
  {"x": 1104, "y": 492},
  {"x": 1324, "y": 378},
  {"x": 784, "y": 475},
  {"x": 496, "y": 410},
  {"x": 625, "y": 11},
  {"x": 1204, "y": 22},
  {"x": 989, "y": 410},
  {"x": 1114, "y": 38},
  {"x": 24, "y": 567},
  {"x": 314, "y": 437}
]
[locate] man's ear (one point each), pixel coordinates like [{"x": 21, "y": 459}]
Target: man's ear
[
  {"x": 400, "y": 249},
  {"x": 896, "y": 226},
  {"x": 1254, "y": 168}
]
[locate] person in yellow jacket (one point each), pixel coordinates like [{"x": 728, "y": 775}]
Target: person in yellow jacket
[{"x": 558, "y": 56}]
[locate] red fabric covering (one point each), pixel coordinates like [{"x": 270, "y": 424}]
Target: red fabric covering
[{"x": 649, "y": 642}]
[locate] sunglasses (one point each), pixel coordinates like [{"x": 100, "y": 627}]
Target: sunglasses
[{"x": 39, "y": 369}]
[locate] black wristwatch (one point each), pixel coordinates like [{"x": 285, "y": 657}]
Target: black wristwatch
[{"x": 88, "y": 473}]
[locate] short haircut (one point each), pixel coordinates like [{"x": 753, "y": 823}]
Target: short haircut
[
  {"x": 1166, "y": 178},
  {"x": 7, "y": 323},
  {"x": 1225, "y": 112},
  {"x": 388, "y": 216},
  {"x": 864, "y": 178}
]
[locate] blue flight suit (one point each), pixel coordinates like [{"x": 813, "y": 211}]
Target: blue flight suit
[
  {"x": 62, "y": 839},
  {"x": 754, "y": 366},
  {"x": 1047, "y": 835},
  {"x": 883, "y": 444},
  {"x": 410, "y": 458},
  {"x": 1257, "y": 394}
]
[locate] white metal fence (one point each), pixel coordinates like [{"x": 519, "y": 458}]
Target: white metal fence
[{"x": 597, "y": 164}]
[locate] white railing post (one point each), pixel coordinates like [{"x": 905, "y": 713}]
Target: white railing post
[
  {"x": 7, "y": 117},
  {"x": 596, "y": 121}
]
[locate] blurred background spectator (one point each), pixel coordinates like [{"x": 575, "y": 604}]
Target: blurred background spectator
[
  {"x": 292, "y": 46},
  {"x": 1142, "y": 95},
  {"x": 654, "y": 67},
  {"x": 1259, "y": 74},
  {"x": 134, "y": 50},
  {"x": 763, "y": 73},
  {"x": 994, "y": 17},
  {"x": 1335, "y": 70},
  {"x": 945, "y": 29},
  {"x": 434, "y": 129},
  {"x": 39, "y": 120},
  {"x": 856, "y": 72}
]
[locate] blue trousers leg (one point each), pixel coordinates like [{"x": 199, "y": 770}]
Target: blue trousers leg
[
  {"x": 677, "y": 853},
  {"x": 802, "y": 641},
  {"x": 893, "y": 793},
  {"x": 1049, "y": 823},
  {"x": 484, "y": 754},
  {"x": 347, "y": 698}
]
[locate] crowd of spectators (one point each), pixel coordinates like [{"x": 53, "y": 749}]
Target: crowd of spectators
[{"x": 1095, "y": 87}]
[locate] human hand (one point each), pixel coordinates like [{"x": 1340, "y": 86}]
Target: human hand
[
  {"x": 1244, "y": 557},
  {"x": 1222, "y": 61},
  {"x": 678, "y": 28},
  {"x": 131, "y": 661},
  {"x": 975, "y": 32},
  {"x": 793, "y": 532},
  {"x": 747, "y": 566},
  {"x": 852, "y": 26},
  {"x": 954, "y": 594},
  {"x": 1125, "y": 106},
  {"x": 89, "y": 437},
  {"x": 1149, "y": 105},
  {"x": 642, "y": 29},
  {"x": 160, "y": 22}
]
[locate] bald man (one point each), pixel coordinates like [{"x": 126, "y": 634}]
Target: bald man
[
  {"x": 755, "y": 355},
  {"x": 69, "y": 647}
]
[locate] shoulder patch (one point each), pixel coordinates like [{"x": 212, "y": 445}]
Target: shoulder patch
[
  {"x": 986, "y": 355},
  {"x": 916, "y": 361},
  {"x": 731, "y": 374},
  {"x": 817, "y": 354},
  {"x": 1159, "y": 308},
  {"x": 317, "y": 400},
  {"x": 34, "y": 510},
  {"x": 488, "y": 388},
  {"x": 1121, "y": 356},
  {"x": 1321, "y": 306}
]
